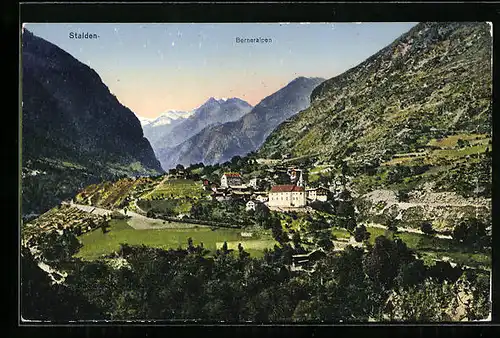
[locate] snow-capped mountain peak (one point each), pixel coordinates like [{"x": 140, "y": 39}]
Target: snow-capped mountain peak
[
  {"x": 145, "y": 120},
  {"x": 169, "y": 116}
]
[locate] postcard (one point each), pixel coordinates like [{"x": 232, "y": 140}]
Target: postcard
[{"x": 256, "y": 172}]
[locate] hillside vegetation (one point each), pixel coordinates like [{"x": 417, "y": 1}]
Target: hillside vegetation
[{"x": 414, "y": 117}]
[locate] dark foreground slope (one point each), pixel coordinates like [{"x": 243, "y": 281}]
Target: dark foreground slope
[{"x": 74, "y": 131}]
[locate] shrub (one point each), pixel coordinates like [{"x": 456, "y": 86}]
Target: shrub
[
  {"x": 426, "y": 228},
  {"x": 117, "y": 215}
]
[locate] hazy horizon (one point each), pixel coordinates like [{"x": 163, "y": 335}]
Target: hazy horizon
[{"x": 153, "y": 68}]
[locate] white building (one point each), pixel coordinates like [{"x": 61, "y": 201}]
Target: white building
[
  {"x": 250, "y": 206},
  {"x": 261, "y": 198},
  {"x": 317, "y": 194},
  {"x": 253, "y": 182},
  {"x": 287, "y": 196},
  {"x": 301, "y": 182},
  {"x": 231, "y": 179}
]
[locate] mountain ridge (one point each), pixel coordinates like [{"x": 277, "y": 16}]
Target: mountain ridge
[
  {"x": 72, "y": 122},
  {"x": 211, "y": 112},
  {"x": 389, "y": 82},
  {"x": 220, "y": 142}
]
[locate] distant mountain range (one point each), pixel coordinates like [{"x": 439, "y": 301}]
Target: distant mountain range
[
  {"x": 168, "y": 118},
  {"x": 221, "y": 141},
  {"x": 166, "y": 133},
  {"x": 156, "y": 128},
  {"x": 74, "y": 131}
]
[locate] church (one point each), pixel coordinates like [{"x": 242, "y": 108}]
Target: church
[{"x": 288, "y": 196}]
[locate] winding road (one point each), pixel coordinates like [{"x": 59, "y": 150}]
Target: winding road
[
  {"x": 401, "y": 229},
  {"x": 137, "y": 221}
]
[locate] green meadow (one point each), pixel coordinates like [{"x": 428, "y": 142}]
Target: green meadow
[{"x": 96, "y": 244}]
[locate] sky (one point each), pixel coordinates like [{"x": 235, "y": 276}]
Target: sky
[{"x": 153, "y": 68}]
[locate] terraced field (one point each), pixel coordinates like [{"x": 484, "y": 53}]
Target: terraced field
[
  {"x": 110, "y": 195},
  {"x": 177, "y": 188},
  {"x": 63, "y": 217},
  {"x": 451, "y": 141}
]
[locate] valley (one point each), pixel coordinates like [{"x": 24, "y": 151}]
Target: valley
[{"x": 363, "y": 197}]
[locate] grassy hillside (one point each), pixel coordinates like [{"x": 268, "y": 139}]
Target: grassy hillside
[
  {"x": 416, "y": 116},
  {"x": 432, "y": 82}
]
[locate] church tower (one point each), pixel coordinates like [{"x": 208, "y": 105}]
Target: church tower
[{"x": 300, "y": 182}]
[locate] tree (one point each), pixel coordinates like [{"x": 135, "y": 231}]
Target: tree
[
  {"x": 325, "y": 240},
  {"x": 470, "y": 232},
  {"x": 345, "y": 172},
  {"x": 296, "y": 240},
  {"x": 42, "y": 301},
  {"x": 350, "y": 224},
  {"x": 55, "y": 247},
  {"x": 422, "y": 302},
  {"x": 462, "y": 143},
  {"x": 263, "y": 216},
  {"x": 392, "y": 224},
  {"x": 345, "y": 210},
  {"x": 277, "y": 231},
  {"x": 411, "y": 274},
  {"x": 403, "y": 195},
  {"x": 477, "y": 285},
  {"x": 235, "y": 161},
  {"x": 179, "y": 167},
  {"x": 242, "y": 253},
  {"x": 361, "y": 234},
  {"x": 190, "y": 246},
  {"x": 381, "y": 264},
  {"x": 104, "y": 228},
  {"x": 426, "y": 228}
]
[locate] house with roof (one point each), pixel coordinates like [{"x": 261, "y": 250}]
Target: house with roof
[
  {"x": 231, "y": 179},
  {"x": 250, "y": 205},
  {"x": 290, "y": 196},
  {"x": 317, "y": 194},
  {"x": 254, "y": 183},
  {"x": 307, "y": 262},
  {"x": 261, "y": 198},
  {"x": 240, "y": 195}
]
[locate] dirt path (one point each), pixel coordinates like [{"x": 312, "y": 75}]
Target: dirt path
[
  {"x": 156, "y": 187},
  {"x": 137, "y": 221},
  {"x": 407, "y": 205},
  {"x": 401, "y": 229}
]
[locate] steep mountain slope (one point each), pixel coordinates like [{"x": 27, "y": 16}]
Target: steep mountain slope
[
  {"x": 212, "y": 112},
  {"x": 74, "y": 131},
  {"x": 219, "y": 143},
  {"x": 432, "y": 81},
  {"x": 413, "y": 120}
]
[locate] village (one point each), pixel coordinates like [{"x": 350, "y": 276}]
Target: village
[{"x": 295, "y": 196}]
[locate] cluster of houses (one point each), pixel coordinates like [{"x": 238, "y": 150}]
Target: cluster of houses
[{"x": 287, "y": 196}]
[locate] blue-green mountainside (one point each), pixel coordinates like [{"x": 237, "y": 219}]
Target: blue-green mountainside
[{"x": 218, "y": 143}]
